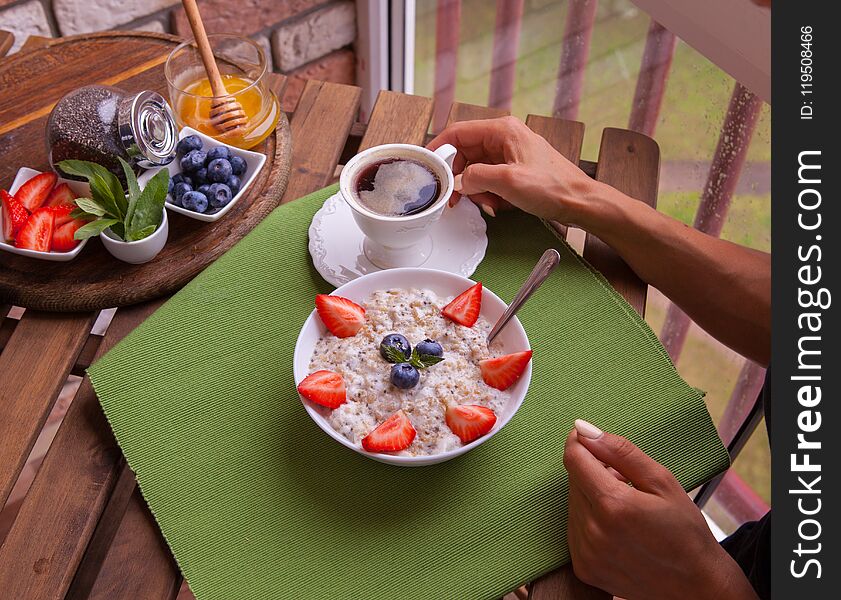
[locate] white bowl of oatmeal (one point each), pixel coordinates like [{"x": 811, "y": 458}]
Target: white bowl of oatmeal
[{"x": 409, "y": 301}]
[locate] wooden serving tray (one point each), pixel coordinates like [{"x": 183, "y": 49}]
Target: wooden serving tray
[{"x": 95, "y": 279}]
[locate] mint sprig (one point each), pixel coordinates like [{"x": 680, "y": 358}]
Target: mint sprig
[
  {"x": 423, "y": 361},
  {"x": 131, "y": 216},
  {"x": 419, "y": 361},
  {"x": 395, "y": 355}
]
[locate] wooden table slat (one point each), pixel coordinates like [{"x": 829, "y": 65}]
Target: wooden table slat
[
  {"x": 33, "y": 42},
  {"x": 566, "y": 137},
  {"x": 461, "y": 111},
  {"x": 397, "y": 118},
  {"x": 6, "y": 41},
  {"x": 630, "y": 162},
  {"x": 63, "y": 507},
  {"x": 320, "y": 126},
  {"x": 35, "y": 363},
  {"x": 562, "y": 584},
  {"x": 127, "y": 556}
]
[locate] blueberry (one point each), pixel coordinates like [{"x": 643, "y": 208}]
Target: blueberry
[
  {"x": 193, "y": 161},
  {"x": 234, "y": 183},
  {"x": 181, "y": 178},
  {"x": 404, "y": 376},
  {"x": 220, "y": 195},
  {"x": 218, "y": 152},
  {"x": 238, "y": 165},
  {"x": 169, "y": 185},
  {"x": 398, "y": 342},
  {"x": 429, "y": 347},
  {"x": 195, "y": 201},
  {"x": 189, "y": 143},
  {"x": 179, "y": 189},
  {"x": 219, "y": 170},
  {"x": 172, "y": 200},
  {"x": 200, "y": 177},
  {"x": 204, "y": 189}
]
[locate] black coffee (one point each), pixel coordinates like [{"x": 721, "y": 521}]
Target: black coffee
[{"x": 397, "y": 187}]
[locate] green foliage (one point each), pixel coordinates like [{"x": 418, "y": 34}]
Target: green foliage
[{"x": 131, "y": 217}]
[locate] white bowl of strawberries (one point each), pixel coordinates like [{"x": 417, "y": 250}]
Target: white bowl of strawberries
[
  {"x": 410, "y": 408},
  {"x": 35, "y": 216}
]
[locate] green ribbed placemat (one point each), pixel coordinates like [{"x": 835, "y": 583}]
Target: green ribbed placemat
[{"x": 256, "y": 502}]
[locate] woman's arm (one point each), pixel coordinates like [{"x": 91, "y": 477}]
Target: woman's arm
[{"x": 724, "y": 287}]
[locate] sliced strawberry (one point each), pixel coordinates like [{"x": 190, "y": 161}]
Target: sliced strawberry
[
  {"x": 63, "y": 240},
  {"x": 392, "y": 435},
  {"x": 343, "y": 317},
  {"x": 37, "y": 232},
  {"x": 503, "y": 371},
  {"x": 14, "y": 216},
  {"x": 33, "y": 193},
  {"x": 469, "y": 421},
  {"x": 62, "y": 214},
  {"x": 62, "y": 194},
  {"x": 464, "y": 309},
  {"x": 324, "y": 387}
]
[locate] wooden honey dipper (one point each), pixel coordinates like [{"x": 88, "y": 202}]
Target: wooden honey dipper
[{"x": 226, "y": 114}]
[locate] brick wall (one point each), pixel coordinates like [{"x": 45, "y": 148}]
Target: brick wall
[{"x": 306, "y": 39}]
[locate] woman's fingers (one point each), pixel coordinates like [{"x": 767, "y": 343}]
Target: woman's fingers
[
  {"x": 481, "y": 177},
  {"x": 621, "y": 454},
  {"x": 477, "y": 141},
  {"x": 586, "y": 471}
]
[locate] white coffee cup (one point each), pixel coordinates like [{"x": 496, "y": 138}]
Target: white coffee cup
[{"x": 398, "y": 241}]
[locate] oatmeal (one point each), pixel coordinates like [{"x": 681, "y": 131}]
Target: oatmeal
[{"x": 372, "y": 397}]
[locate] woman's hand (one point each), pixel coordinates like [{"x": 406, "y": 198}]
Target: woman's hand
[
  {"x": 502, "y": 161},
  {"x": 647, "y": 541}
]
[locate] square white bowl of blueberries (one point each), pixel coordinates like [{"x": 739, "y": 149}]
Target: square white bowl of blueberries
[{"x": 207, "y": 176}]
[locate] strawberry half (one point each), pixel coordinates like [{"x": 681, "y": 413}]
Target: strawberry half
[
  {"x": 62, "y": 194},
  {"x": 33, "y": 193},
  {"x": 14, "y": 216},
  {"x": 63, "y": 240},
  {"x": 503, "y": 371},
  {"x": 37, "y": 232},
  {"x": 392, "y": 435},
  {"x": 469, "y": 421},
  {"x": 324, "y": 387},
  {"x": 62, "y": 214},
  {"x": 343, "y": 317},
  {"x": 464, "y": 309}
]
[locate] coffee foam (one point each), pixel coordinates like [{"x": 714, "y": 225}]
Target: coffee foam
[{"x": 397, "y": 185}]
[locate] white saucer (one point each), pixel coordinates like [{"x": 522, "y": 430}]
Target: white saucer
[{"x": 458, "y": 242}]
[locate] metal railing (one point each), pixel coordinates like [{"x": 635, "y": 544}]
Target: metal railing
[{"x": 737, "y": 129}]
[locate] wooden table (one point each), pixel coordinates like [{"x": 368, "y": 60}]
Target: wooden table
[{"x": 83, "y": 530}]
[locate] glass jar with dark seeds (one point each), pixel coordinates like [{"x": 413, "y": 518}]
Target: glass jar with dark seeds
[{"x": 100, "y": 124}]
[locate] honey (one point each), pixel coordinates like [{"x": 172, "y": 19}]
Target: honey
[{"x": 260, "y": 106}]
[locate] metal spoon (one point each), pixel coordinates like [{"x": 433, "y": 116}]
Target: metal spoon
[{"x": 541, "y": 271}]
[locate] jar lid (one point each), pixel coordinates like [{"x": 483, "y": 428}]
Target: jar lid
[{"x": 148, "y": 130}]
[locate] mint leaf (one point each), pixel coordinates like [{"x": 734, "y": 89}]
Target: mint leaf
[
  {"x": 133, "y": 189},
  {"x": 143, "y": 233},
  {"x": 105, "y": 187},
  {"x": 148, "y": 210},
  {"x": 90, "y": 206},
  {"x": 78, "y": 213},
  {"x": 395, "y": 355},
  {"x": 93, "y": 228},
  {"x": 423, "y": 361},
  {"x": 119, "y": 230}
]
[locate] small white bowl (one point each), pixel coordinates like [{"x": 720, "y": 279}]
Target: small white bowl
[
  {"x": 80, "y": 188},
  {"x": 141, "y": 251},
  {"x": 513, "y": 338},
  {"x": 254, "y": 161}
]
